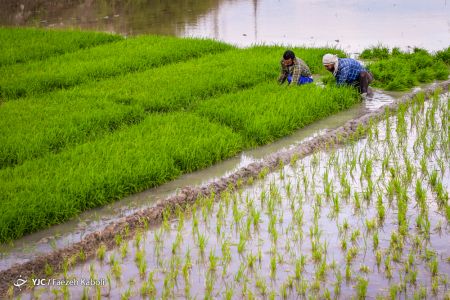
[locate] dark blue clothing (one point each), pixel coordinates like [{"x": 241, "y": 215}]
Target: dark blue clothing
[
  {"x": 301, "y": 80},
  {"x": 348, "y": 71}
]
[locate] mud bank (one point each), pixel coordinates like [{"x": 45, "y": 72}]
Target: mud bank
[{"x": 154, "y": 215}]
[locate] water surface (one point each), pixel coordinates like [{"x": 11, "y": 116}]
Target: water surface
[{"x": 349, "y": 24}]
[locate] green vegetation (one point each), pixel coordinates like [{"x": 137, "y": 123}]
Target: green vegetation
[
  {"x": 54, "y": 188},
  {"x": 135, "y": 113},
  {"x": 397, "y": 71},
  {"x": 292, "y": 234},
  {"x": 265, "y": 113},
  {"x": 122, "y": 57},
  {"x": 20, "y": 45},
  {"x": 377, "y": 52},
  {"x": 95, "y": 109}
]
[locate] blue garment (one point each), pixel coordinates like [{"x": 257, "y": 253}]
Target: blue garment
[
  {"x": 348, "y": 71},
  {"x": 301, "y": 80}
]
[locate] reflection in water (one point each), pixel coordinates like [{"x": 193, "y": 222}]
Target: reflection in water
[
  {"x": 349, "y": 24},
  {"x": 128, "y": 17},
  {"x": 377, "y": 100}
]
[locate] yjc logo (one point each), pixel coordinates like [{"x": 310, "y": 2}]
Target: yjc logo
[{"x": 19, "y": 282}]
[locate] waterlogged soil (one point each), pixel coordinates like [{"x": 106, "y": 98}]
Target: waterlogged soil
[
  {"x": 63, "y": 235},
  {"x": 370, "y": 218}
]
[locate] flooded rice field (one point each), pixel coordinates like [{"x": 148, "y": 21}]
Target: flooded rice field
[
  {"x": 63, "y": 235},
  {"x": 369, "y": 218}
]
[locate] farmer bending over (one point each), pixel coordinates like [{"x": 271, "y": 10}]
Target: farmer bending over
[
  {"x": 348, "y": 71},
  {"x": 294, "y": 70}
]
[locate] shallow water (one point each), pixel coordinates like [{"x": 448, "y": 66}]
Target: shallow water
[
  {"x": 62, "y": 235},
  {"x": 350, "y": 25},
  {"x": 307, "y": 229}
]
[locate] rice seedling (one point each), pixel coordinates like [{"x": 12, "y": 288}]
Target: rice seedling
[
  {"x": 242, "y": 243},
  {"x": 378, "y": 255},
  {"x": 48, "y": 270},
  {"x": 388, "y": 267},
  {"x": 354, "y": 236},
  {"x": 229, "y": 292},
  {"x": 141, "y": 263},
  {"x": 81, "y": 255},
  {"x": 202, "y": 240},
  {"x": 261, "y": 285},
  {"x": 434, "y": 267},
  {"x": 393, "y": 291},
  {"x": 138, "y": 239},
  {"x": 321, "y": 271},
  {"x": 273, "y": 266},
  {"x": 124, "y": 250},
  {"x": 356, "y": 201},
  {"x": 240, "y": 273},
  {"x": 101, "y": 252},
  {"x": 116, "y": 269},
  {"x": 375, "y": 240},
  {"x": 209, "y": 286},
  {"x": 126, "y": 230},
  {"x": 435, "y": 285},
  {"x": 361, "y": 287},
  {"x": 212, "y": 261},
  {"x": 118, "y": 239},
  {"x": 348, "y": 272}
]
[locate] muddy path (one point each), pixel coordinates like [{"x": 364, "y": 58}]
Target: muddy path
[{"x": 153, "y": 216}]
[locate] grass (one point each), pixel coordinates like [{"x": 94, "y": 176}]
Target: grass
[
  {"x": 397, "y": 71},
  {"x": 22, "y": 45}
]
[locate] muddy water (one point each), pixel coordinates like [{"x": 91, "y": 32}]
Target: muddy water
[
  {"x": 350, "y": 24},
  {"x": 327, "y": 225},
  {"x": 61, "y": 236}
]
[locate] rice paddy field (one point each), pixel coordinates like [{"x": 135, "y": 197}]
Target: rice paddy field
[
  {"x": 92, "y": 118},
  {"x": 366, "y": 219},
  {"x": 84, "y": 128}
]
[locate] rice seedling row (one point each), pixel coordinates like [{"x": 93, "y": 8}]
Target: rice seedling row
[
  {"x": 21, "y": 45},
  {"x": 117, "y": 164},
  {"x": 36, "y": 126},
  {"x": 104, "y": 61},
  {"x": 368, "y": 219},
  {"x": 397, "y": 71},
  {"x": 265, "y": 113},
  {"x": 56, "y": 187}
]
